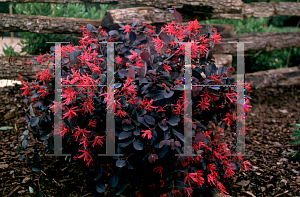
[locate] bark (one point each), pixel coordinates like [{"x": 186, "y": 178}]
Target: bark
[
  {"x": 274, "y": 78},
  {"x": 10, "y": 67},
  {"x": 202, "y": 9},
  {"x": 43, "y": 24},
  {"x": 60, "y": 25},
  {"x": 261, "y": 41}
]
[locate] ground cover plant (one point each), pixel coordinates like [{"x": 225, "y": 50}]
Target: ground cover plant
[
  {"x": 296, "y": 134},
  {"x": 149, "y": 107}
]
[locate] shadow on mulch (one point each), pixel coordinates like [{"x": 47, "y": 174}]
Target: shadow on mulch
[{"x": 272, "y": 173}]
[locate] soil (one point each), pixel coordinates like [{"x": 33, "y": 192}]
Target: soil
[{"x": 272, "y": 172}]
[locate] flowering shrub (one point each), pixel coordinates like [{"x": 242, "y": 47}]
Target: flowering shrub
[{"x": 149, "y": 107}]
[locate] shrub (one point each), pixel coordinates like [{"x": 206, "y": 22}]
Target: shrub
[{"x": 149, "y": 103}]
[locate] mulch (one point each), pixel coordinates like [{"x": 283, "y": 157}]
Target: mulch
[{"x": 272, "y": 172}]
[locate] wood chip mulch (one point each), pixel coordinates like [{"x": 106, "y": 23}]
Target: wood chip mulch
[{"x": 272, "y": 172}]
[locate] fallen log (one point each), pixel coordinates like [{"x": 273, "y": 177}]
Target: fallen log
[
  {"x": 10, "y": 67},
  {"x": 261, "y": 41},
  {"x": 43, "y": 24},
  {"x": 111, "y": 19},
  {"x": 274, "y": 78}
]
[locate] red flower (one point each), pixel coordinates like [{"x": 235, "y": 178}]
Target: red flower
[
  {"x": 43, "y": 76},
  {"x": 26, "y": 90},
  {"x": 147, "y": 133},
  {"x": 56, "y": 106},
  {"x": 119, "y": 60},
  {"x": 246, "y": 165},
  {"x": 80, "y": 132},
  {"x": 92, "y": 123},
  {"x": 188, "y": 191},
  {"x": 204, "y": 104},
  {"x": 211, "y": 178},
  {"x": 229, "y": 170},
  {"x": 162, "y": 184},
  {"x": 166, "y": 67},
  {"x": 221, "y": 188},
  {"x": 69, "y": 94},
  {"x": 28, "y": 64},
  {"x": 247, "y": 106},
  {"x": 127, "y": 29},
  {"x": 161, "y": 109},
  {"x": 84, "y": 141},
  {"x": 87, "y": 156},
  {"x": 216, "y": 38},
  {"x": 98, "y": 140},
  {"x": 229, "y": 118},
  {"x": 158, "y": 44},
  {"x": 87, "y": 106},
  {"x": 121, "y": 113},
  {"x": 228, "y": 96},
  {"x": 193, "y": 27},
  {"x": 159, "y": 170},
  {"x": 40, "y": 59},
  {"x": 71, "y": 113}
]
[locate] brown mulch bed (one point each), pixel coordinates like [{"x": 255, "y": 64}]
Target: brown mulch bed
[{"x": 272, "y": 173}]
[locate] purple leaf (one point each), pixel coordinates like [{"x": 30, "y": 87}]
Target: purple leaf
[
  {"x": 138, "y": 144},
  {"x": 143, "y": 70},
  {"x": 145, "y": 55},
  {"x": 132, "y": 36},
  {"x": 131, "y": 72},
  {"x": 149, "y": 119},
  {"x": 177, "y": 16},
  {"x": 164, "y": 36},
  {"x": 161, "y": 143}
]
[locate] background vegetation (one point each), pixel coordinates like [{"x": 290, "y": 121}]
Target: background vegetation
[{"x": 34, "y": 44}]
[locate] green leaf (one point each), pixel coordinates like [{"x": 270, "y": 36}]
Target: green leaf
[
  {"x": 28, "y": 160},
  {"x": 296, "y": 131},
  {"x": 5, "y": 128},
  {"x": 298, "y": 125},
  {"x": 296, "y": 135},
  {"x": 40, "y": 194},
  {"x": 18, "y": 148},
  {"x": 31, "y": 190},
  {"x": 122, "y": 190},
  {"x": 296, "y": 141}
]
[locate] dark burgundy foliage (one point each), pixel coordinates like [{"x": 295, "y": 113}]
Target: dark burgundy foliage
[{"x": 149, "y": 112}]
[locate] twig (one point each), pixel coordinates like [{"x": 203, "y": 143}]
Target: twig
[
  {"x": 282, "y": 193},
  {"x": 243, "y": 26},
  {"x": 257, "y": 53},
  {"x": 86, "y": 194},
  {"x": 15, "y": 189}
]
